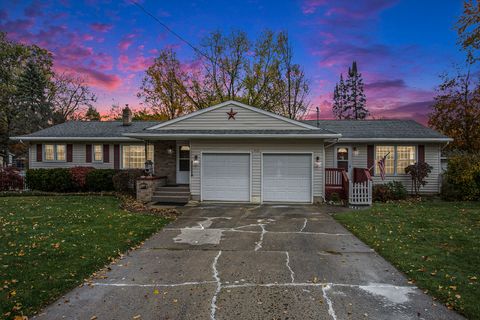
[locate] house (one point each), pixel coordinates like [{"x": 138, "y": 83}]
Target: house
[{"x": 235, "y": 152}]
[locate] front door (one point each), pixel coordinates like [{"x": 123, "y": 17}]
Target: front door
[
  {"x": 344, "y": 158},
  {"x": 183, "y": 164}
]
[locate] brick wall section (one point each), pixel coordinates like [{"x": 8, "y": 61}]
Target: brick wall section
[{"x": 165, "y": 164}]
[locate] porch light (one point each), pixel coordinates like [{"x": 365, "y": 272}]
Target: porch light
[
  {"x": 318, "y": 163},
  {"x": 195, "y": 161},
  {"x": 169, "y": 150},
  {"x": 355, "y": 151}
]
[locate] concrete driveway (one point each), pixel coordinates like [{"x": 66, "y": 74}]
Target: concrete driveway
[{"x": 247, "y": 262}]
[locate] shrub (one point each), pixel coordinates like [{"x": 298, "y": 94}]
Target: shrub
[
  {"x": 54, "y": 180},
  {"x": 418, "y": 171},
  {"x": 100, "y": 180},
  {"x": 398, "y": 190},
  {"x": 10, "y": 179},
  {"x": 462, "y": 178},
  {"x": 125, "y": 181},
  {"x": 393, "y": 190},
  {"x": 381, "y": 192},
  {"x": 79, "y": 177}
]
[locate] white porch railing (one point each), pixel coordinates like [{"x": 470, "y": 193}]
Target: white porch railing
[{"x": 360, "y": 193}]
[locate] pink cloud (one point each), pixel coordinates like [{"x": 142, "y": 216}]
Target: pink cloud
[
  {"x": 126, "y": 42},
  {"x": 138, "y": 63},
  {"x": 101, "y": 27},
  {"x": 93, "y": 77},
  {"x": 310, "y": 6}
]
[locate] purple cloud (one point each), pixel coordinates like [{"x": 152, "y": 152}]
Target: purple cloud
[
  {"x": 101, "y": 27},
  {"x": 384, "y": 84}
]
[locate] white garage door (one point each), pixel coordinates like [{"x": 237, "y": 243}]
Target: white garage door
[
  {"x": 287, "y": 177},
  {"x": 225, "y": 177}
]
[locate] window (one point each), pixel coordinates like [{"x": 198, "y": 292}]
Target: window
[
  {"x": 133, "y": 156},
  {"x": 399, "y": 157},
  {"x": 55, "y": 152},
  {"x": 50, "y": 152},
  {"x": 380, "y": 152},
  {"x": 97, "y": 153},
  {"x": 405, "y": 157}
]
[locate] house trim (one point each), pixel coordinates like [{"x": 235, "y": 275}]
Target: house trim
[
  {"x": 239, "y": 104},
  {"x": 229, "y": 136}
]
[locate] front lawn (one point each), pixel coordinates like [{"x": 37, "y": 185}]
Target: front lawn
[
  {"x": 49, "y": 245},
  {"x": 436, "y": 244}
]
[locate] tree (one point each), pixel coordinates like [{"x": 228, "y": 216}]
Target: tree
[
  {"x": 71, "y": 97},
  {"x": 468, "y": 28},
  {"x": 145, "y": 115},
  {"x": 229, "y": 67},
  {"x": 418, "y": 172},
  {"x": 339, "y": 99},
  {"x": 25, "y": 77},
  {"x": 92, "y": 114},
  {"x": 163, "y": 87},
  {"x": 349, "y": 101},
  {"x": 456, "y": 110},
  {"x": 292, "y": 82}
]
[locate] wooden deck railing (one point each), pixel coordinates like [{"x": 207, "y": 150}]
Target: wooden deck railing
[
  {"x": 361, "y": 175},
  {"x": 333, "y": 177}
]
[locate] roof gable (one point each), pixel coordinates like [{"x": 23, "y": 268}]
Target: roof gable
[{"x": 245, "y": 118}]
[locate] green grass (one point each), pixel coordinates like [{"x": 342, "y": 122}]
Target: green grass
[
  {"x": 49, "y": 245},
  {"x": 436, "y": 244}
]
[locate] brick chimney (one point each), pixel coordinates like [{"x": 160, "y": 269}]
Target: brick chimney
[{"x": 127, "y": 116}]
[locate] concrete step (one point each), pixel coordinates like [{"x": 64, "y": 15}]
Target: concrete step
[
  {"x": 172, "y": 193},
  {"x": 173, "y": 189},
  {"x": 171, "y": 199}
]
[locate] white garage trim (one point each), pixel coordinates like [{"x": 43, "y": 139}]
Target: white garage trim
[
  {"x": 311, "y": 154},
  {"x": 250, "y": 175}
]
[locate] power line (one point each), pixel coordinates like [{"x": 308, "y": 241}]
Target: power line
[{"x": 175, "y": 34}]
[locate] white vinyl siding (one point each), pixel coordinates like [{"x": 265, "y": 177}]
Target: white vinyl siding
[
  {"x": 256, "y": 148},
  {"x": 245, "y": 119},
  {"x": 432, "y": 157}
]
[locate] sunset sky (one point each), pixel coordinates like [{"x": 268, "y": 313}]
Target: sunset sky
[{"x": 401, "y": 46}]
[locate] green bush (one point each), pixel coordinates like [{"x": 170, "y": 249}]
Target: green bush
[
  {"x": 125, "y": 181},
  {"x": 100, "y": 180},
  {"x": 51, "y": 180},
  {"x": 398, "y": 190},
  {"x": 393, "y": 190},
  {"x": 462, "y": 178}
]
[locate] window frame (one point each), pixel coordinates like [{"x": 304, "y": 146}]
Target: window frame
[
  {"x": 94, "y": 153},
  {"x": 55, "y": 152},
  {"x": 122, "y": 148},
  {"x": 395, "y": 158}
]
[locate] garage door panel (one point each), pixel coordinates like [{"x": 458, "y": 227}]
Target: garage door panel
[
  {"x": 225, "y": 177},
  {"x": 287, "y": 177}
]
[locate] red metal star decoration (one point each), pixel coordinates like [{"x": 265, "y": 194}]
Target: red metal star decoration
[{"x": 231, "y": 114}]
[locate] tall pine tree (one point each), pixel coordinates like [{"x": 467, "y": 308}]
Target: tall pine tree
[
  {"x": 349, "y": 101},
  {"x": 339, "y": 99}
]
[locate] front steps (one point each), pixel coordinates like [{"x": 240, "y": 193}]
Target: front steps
[{"x": 171, "y": 194}]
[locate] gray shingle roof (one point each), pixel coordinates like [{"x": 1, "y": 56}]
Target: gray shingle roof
[
  {"x": 365, "y": 129},
  {"x": 378, "y": 129},
  {"x": 90, "y": 129}
]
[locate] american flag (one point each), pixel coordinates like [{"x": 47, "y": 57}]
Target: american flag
[{"x": 381, "y": 166}]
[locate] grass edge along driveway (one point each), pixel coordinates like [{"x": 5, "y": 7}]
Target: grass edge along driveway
[
  {"x": 50, "y": 244},
  {"x": 436, "y": 244}
]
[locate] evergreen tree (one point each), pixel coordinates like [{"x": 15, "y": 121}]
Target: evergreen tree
[
  {"x": 349, "y": 101},
  {"x": 92, "y": 114},
  {"x": 32, "y": 97},
  {"x": 339, "y": 99}
]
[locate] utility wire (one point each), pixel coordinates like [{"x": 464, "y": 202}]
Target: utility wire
[{"x": 176, "y": 34}]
